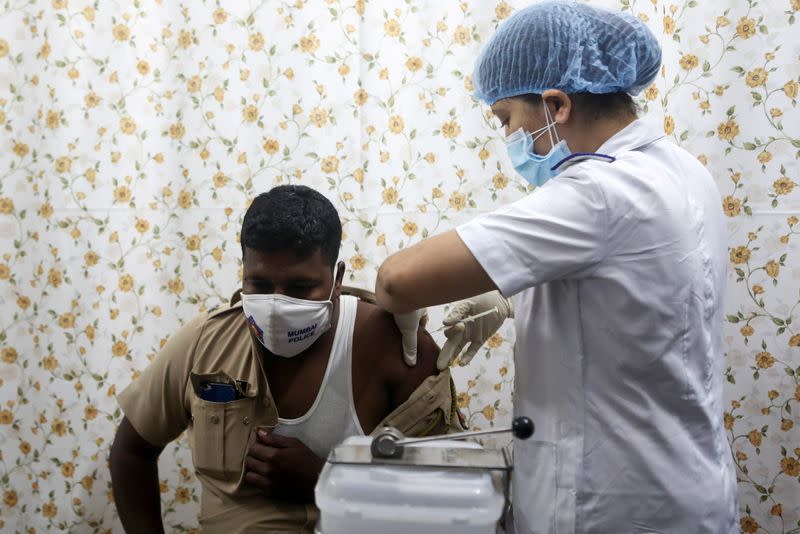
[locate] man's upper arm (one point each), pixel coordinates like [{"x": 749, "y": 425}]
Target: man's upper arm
[
  {"x": 127, "y": 439},
  {"x": 404, "y": 380},
  {"x": 154, "y": 403},
  {"x": 422, "y": 398}
]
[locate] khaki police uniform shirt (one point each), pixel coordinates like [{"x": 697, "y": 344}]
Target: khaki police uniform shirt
[{"x": 218, "y": 346}]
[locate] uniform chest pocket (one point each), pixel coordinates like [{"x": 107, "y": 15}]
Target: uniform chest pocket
[{"x": 220, "y": 435}]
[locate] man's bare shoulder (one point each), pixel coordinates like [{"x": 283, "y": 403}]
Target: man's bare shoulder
[{"x": 379, "y": 345}]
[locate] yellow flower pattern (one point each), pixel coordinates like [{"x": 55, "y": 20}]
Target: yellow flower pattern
[{"x": 124, "y": 180}]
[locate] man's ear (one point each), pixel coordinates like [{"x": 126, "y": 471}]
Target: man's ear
[{"x": 337, "y": 284}]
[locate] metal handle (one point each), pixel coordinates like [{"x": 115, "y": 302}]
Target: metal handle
[
  {"x": 389, "y": 442},
  {"x": 521, "y": 427}
]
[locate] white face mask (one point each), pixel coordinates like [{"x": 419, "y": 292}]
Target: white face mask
[{"x": 287, "y": 326}]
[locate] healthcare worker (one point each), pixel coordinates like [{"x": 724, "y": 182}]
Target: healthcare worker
[{"x": 616, "y": 264}]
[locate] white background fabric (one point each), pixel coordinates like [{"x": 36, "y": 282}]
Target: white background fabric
[{"x": 134, "y": 134}]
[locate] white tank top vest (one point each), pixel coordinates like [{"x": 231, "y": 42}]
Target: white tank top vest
[{"x": 332, "y": 417}]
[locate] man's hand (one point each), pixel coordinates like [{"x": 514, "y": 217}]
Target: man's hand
[
  {"x": 473, "y": 331},
  {"x": 408, "y": 324},
  {"x": 284, "y": 468}
]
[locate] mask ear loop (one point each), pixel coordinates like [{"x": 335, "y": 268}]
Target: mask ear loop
[
  {"x": 551, "y": 125},
  {"x": 534, "y": 135},
  {"x": 333, "y": 286},
  {"x": 538, "y": 133}
]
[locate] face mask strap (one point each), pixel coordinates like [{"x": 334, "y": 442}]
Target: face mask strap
[
  {"x": 551, "y": 125},
  {"x": 333, "y": 286},
  {"x": 543, "y": 131},
  {"x": 549, "y": 129},
  {"x": 521, "y": 135}
]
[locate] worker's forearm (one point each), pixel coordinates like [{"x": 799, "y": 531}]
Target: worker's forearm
[
  {"x": 435, "y": 271},
  {"x": 386, "y": 296},
  {"x": 134, "y": 480}
]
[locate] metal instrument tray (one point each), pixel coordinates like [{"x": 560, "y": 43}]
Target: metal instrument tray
[{"x": 441, "y": 457}]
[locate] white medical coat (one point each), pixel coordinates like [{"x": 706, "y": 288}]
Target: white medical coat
[{"x": 618, "y": 272}]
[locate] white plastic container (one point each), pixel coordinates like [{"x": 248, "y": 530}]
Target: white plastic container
[{"x": 365, "y": 499}]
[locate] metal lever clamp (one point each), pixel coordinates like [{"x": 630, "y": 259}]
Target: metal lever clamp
[{"x": 390, "y": 442}]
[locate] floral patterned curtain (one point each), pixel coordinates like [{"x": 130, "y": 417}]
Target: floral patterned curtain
[{"x": 134, "y": 135}]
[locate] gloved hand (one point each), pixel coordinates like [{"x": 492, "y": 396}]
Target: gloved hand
[
  {"x": 476, "y": 331},
  {"x": 408, "y": 324}
]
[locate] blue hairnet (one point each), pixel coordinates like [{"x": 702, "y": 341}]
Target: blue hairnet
[{"x": 569, "y": 46}]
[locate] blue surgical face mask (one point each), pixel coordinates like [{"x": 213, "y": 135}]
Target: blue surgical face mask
[{"x": 534, "y": 168}]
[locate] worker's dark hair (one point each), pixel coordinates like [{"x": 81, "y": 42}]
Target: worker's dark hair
[
  {"x": 292, "y": 217},
  {"x": 595, "y": 105}
]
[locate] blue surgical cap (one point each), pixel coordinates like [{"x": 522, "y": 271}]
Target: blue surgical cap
[{"x": 569, "y": 46}]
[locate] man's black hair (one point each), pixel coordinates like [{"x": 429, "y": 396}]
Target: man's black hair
[{"x": 292, "y": 217}]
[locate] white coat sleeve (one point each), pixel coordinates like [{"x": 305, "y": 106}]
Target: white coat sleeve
[{"x": 557, "y": 232}]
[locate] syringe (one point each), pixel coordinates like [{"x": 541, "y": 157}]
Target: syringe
[{"x": 468, "y": 318}]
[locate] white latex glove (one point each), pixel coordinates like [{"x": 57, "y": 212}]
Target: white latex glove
[
  {"x": 408, "y": 324},
  {"x": 475, "y": 331}
]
